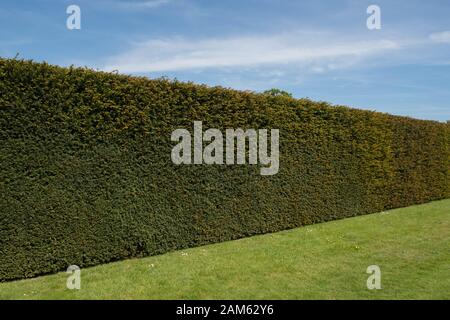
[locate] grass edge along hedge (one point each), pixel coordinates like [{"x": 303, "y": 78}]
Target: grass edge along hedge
[{"x": 86, "y": 175}]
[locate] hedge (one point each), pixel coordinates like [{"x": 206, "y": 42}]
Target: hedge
[{"x": 86, "y": 175}]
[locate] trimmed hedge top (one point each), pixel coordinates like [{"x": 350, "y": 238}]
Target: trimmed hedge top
[{"x": 86, "y": 175}]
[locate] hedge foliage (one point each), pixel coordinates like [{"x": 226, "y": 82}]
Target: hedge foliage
[{"x": 86, "y": 175}]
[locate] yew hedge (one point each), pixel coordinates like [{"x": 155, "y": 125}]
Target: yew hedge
[{"x": 86, "y": 175}]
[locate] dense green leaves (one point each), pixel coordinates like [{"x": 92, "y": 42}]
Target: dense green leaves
[{"x": 86, "y": 175}]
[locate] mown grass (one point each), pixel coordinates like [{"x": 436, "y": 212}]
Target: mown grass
[{"x": 324, "y": 261}]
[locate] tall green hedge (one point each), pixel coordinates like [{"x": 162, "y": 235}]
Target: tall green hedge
[{"x": 86, "y": 175}]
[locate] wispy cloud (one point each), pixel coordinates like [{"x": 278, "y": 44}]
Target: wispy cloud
[
  {"x": 315, "y": 50},
  {"x": 441, "y": 37},
  {"x": 140, "y": 4}
]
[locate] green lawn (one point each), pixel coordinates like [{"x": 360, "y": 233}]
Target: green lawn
[{"x": 324, "y": 261}]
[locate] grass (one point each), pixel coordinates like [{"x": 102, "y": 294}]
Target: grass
[{"x": 324, "y": 261}]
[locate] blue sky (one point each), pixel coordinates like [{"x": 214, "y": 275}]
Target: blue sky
[{"x": 319, "y": 49}]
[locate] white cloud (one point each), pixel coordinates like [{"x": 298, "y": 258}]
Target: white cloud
[
  {"x": 441, "y": 37},
  {"x": 317, "y": 51}
]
